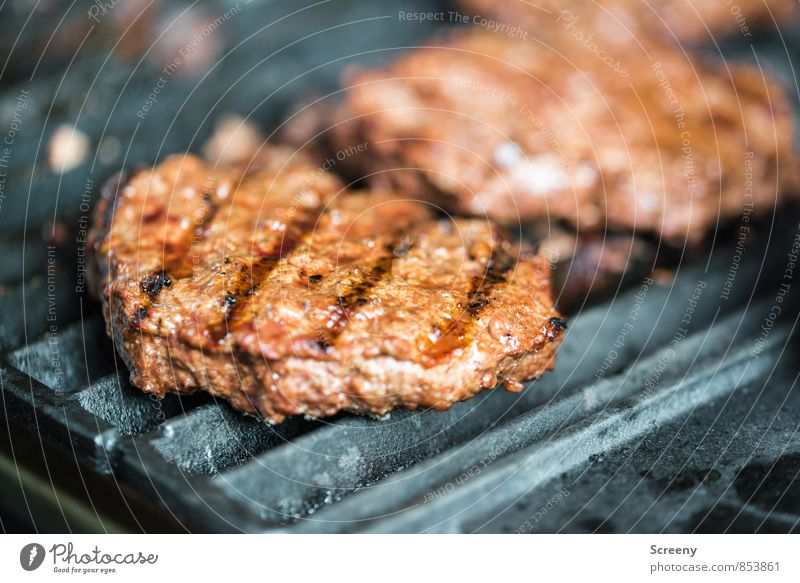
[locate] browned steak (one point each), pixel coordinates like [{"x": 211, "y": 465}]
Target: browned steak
[
  {"x": 639, "y": 137},
  {"x": 281, "y": 292},
  {"x": 686, "y": 20}
]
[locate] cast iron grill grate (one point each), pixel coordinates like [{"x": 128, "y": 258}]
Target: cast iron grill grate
[{"x": 641, "y": 447}]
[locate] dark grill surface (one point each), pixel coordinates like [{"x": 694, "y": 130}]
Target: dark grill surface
[{"x": 673, "y": 406}]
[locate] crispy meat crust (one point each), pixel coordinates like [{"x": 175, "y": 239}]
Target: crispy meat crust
[
  {"x": 280, "y": 292},
  {"x": 644, "y": 139}
]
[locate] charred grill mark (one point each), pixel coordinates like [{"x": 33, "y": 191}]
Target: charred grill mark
[
  {"x": 475, "y": 308},
  {"x": 555, "y": 326},
  {"x": 153, "y": 283},
  {"x": 239, "y": 293},
  {"x": 458, "y": 331},
  {"x": 251, "y": 277},
  {"x": 356, "y": 296}
]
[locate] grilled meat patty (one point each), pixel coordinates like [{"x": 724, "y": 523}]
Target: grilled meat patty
[
  {"x": 274, "y": 288},
  {"x": 637, "y": 138},
  {"x": 685, "y": 20}
]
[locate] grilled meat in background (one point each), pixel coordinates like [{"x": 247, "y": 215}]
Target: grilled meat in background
[
  {"x": 270, "y": 285},
  {"x": 692, "y": 21},
  {"x": 520, "y": 132}
]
